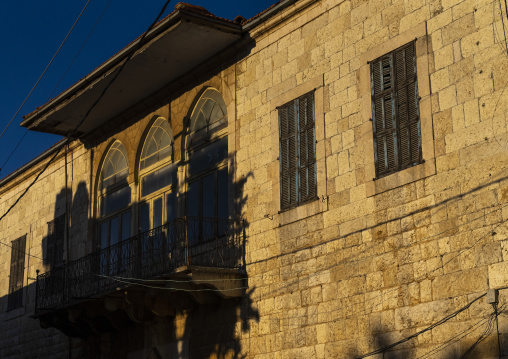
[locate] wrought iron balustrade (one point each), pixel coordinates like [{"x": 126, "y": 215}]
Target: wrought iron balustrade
[{"x": 188, "y": 241}]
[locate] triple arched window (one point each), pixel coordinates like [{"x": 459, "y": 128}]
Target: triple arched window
[{"x": 203, "y": 188}]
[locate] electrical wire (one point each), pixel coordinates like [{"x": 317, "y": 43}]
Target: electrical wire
[
  {"x": 504, "y": 30},
  {"x": 438, "y": 323},
  {"x": 454, "y": 339},
  {"x": 167, "y": 288},
  {"x": 460, "y": 335},
  {"x": 61, "y": 78},
  {"x": 15, "y": 148},
  {"x": 481, "y": 338},
  {"x": 176, "y": 280},
  {"x": 69, "y": 137},
  {"x": 46, "y": 69},
  {"x": 81, "y": 48}
]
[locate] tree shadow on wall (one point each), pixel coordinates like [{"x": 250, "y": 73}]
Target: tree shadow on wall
[{"x": 216, "y": 330}]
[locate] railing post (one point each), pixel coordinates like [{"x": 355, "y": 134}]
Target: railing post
[
  {"x": 36, "y": 289},
  {"x": 186, "y": 239},
  {"x": 243, "y": 245},
  {"x": 64, "y": 279}
]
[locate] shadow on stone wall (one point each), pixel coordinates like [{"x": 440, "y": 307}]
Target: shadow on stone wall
[
  {"x": 182, "y": 324},
  {"x": 465, "y": 341}
]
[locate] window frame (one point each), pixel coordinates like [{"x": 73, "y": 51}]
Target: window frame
[
  {"x": 162, "y": 192},
  {"x": 278, "y": 96},
  {"x": 394, "y": 131},
  {"x": 55, "y": 242},
  {"x": 17, "y": 278},
  {"x": 286, "y": 157},
  {"x": 427, "y": 167},
  {"x": 212, "y": 136},
  {"x": 119, "y": 184}
]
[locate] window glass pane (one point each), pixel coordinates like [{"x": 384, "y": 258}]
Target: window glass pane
[
  {"x": 158, "y": 180},
  {"x": 210, "y": 108},
  {"x": 104, "y": 234},
  {"x": 170, "y": 207},
  {"x": 114, "y": 201},
  {"x": 222, "y": 195},
  {"x": 144, "y": 217},
  {"x": 209, "y": 193},
  {"x": 158, "y": 143},
  {"x": 114, "y": 231},
  {"x": 115, "y": 166},
  {"x": 216, "y": 114},
  {"x": 126, "y": 225},
  {"x": 157, "y": 212},
  {"x": 193, "y": 199},
  {"x": 208, "y": 156}
]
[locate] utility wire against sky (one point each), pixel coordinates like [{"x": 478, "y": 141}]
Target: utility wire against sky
[
  {"x": 140, "y": 42},
  {"x": 44, "y": 72},
  {"x": 59, "y": 81}
]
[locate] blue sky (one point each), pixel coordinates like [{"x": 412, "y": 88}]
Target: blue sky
[{"x": 32, "y": 32}]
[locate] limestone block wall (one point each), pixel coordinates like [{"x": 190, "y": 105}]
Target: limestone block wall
[
  {"x": 374, "y": 261},
  {"x": 47, "y": 199}
]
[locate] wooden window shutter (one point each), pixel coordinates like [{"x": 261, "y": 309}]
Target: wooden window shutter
[
  {"x": 395, "y": 114},
  {"x": 407, "y": 106},
  {"x": 17, "y": 272},
  {"x": 307, "y": 147},
  {"x": 297, "y": 151},
  {"x": 384, "y": 124},
  {"x": 288, "y": 155}
]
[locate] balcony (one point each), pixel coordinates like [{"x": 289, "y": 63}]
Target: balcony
[{"x": 188, "y": 260}]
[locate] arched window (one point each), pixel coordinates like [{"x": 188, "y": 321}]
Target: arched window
[
  {"x": 207, "y": 153},
  {"x": 114, "y": 197},
  {"x": 157, "y": 177}
]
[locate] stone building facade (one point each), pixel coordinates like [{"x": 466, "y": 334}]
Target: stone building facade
[{"x": 326, "y": 180}]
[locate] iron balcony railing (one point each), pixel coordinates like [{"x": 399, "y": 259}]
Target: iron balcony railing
[{"x": 189, "y": 241}]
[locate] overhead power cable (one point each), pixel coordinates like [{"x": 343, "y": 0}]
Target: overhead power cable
[
  {"x": 69, "y": 137},
  {"x": 46, "y": 69},
  {"x": 138, "y": 282},
  {"x": 438, "y": 323},
  {"x": 79, "y": 51},
  {"x": 61, "y": 78}
]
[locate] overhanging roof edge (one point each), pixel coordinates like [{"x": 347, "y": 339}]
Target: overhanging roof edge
[{"x": 177, "y": 17}]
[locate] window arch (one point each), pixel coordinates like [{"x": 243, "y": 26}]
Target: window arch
[
  {"x": 158, "y": 144},
  {"x": 114, "y": 199},
  {"x": 208, "y": 117},
  {"x": 207, "y": 154},
  {"x": 114, "y": 192},
  {"x": 157, "y": 177}
]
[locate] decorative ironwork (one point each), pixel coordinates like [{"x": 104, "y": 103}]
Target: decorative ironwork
[{"x": 189, "y": 241}]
